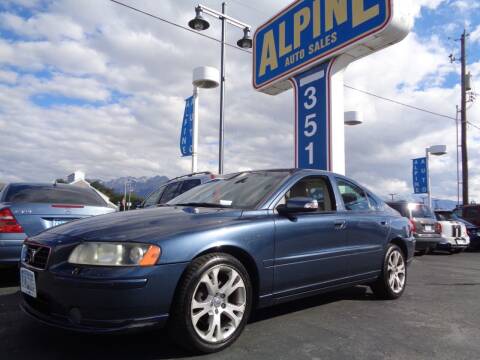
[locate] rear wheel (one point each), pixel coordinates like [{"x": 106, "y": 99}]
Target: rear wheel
[
  {"x": 212, "y": 304},
  {"x": 393, "y": 279}
]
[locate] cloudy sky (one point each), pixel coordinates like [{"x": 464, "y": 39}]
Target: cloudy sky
[{"x": 94, "y": 86}]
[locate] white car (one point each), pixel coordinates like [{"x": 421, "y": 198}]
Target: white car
[{"x": 454, "y": 233}]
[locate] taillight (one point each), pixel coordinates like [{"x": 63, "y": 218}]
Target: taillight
[
  {"x": 412, "y": 226},
  {"x": 8, "y": 223},
  {"x": 438, "y": 228}
]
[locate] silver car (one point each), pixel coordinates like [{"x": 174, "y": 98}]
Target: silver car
[{"x": 27, "y": 209}]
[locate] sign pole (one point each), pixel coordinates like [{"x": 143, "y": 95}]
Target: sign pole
[{"x": 429, "y": 191}]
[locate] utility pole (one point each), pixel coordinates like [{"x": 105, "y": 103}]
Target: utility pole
[
  {"x": 393, "y": 196},
  {"x": 464, "y": 119}
]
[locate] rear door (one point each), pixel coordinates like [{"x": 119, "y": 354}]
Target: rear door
[
  {"x": 367, "y": 229},
  {"x": 41, "y": 207}
]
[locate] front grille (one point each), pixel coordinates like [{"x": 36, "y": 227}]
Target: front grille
[{"x": 36, "y": 255}]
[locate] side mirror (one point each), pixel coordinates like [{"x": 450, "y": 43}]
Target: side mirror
[{"x": 298, "y": 205}]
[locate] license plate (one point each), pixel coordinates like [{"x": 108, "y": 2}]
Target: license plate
[
  {"x": 27, "y": 282},
  {"x": 57, "y": 222},
  {"x": 428, "y": 228},
  {"x": 461, "y": 241}
]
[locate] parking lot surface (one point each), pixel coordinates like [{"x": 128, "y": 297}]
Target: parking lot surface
[{"x": 437, "y": 318}]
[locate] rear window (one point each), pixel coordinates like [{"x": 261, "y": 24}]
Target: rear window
[
  {"x": 421, "y": 211},
  {"x": 53, "y": 194},
  {"x": 444, "y": 216}
]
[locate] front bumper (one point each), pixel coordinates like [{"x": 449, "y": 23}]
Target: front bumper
[
  {"x": 11, "y": 248},
  {"x": 104, "y": 300}
]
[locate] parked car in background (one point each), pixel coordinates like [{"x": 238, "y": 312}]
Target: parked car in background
[
  {"x": 203, "y": 261},
  {"x": 176, "y": 187},
  {"x": 454, "y": 233},
  {"x": 471, "y": 213},
  {"x": 426, "y": 229},
  {"x": 26, "y": 209},
  {"x": 473, "y": 232}
]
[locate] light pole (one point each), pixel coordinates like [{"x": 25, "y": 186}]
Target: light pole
[
  {"x": 200, "y": 24},
  {"x": 436, "y": 150},
  {"x": 204, "y": 77}
]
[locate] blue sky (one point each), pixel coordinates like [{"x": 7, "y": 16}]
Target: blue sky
[{"x": 101, "y": 89}]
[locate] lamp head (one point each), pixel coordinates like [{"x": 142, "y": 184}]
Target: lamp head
[
  {"x": 246, "y": 41},
  {"x": 438, "y": 150},
  {"x": 198, "y": 23}
]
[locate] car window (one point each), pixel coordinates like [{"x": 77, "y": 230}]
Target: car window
[
  {"x": 421, "y": 211},
  {"x": 444, "y": 216},
  {"x": 472, "y": 212},
  {"x": 315, "y": 187},
  {"x": 154, "y": 198},
  {"x": 53, "y": 194},
  {"x": 353, "y": 196},
  {"x": 374, "y": 203},
  {"x": 401, "y": 208},
  {"x": 189, "y": 184},
  {"x": 171, "y": 191}
]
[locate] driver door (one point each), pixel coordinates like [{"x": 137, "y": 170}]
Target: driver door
[{"x": 309, "y": 246}]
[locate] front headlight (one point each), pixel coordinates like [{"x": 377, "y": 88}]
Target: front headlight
[{"x": 114, "y": 254}]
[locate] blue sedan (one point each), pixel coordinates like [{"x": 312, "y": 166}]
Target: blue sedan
[{"x": 204, "y": 261}]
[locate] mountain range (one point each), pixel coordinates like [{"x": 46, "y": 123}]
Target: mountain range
[{"x": 141, "y": 186}]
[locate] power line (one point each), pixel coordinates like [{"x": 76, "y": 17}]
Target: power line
[
  {"x": 400, "y": 103},
  {"x": 177, "y": 25},
  {"x": 250, "y": 52}
]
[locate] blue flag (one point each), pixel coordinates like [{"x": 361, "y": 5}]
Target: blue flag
[
  {"x": 186, "y": 136},
  {"x": 420, "y": 176}
]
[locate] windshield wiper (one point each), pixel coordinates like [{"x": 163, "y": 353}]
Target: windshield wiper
[{"x": 203, "y": 204}]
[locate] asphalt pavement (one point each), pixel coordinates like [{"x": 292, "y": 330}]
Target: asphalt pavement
[{"x": 437, "y": 318}]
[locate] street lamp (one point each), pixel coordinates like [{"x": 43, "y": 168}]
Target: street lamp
[
  {"x": 200, "y": 24},
  {"x": 436, "y": 150},
  {"x": 204, "y": 77}
]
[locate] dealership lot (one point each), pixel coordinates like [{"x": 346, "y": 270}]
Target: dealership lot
[{"x": 438, "y": 317}]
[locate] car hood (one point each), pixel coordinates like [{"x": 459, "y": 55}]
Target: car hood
[{"x": 150, "y": 225}]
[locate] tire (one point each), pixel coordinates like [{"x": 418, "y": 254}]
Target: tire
[
  {"x": 207, "y": 315},
  {"x": 386, "y": 288}
]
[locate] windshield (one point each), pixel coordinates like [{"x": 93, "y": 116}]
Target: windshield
[{"x": 241, "y": 191}]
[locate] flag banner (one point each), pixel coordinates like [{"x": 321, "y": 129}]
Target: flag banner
[
  {"x": 186, "y": 135},
  {"x": 420, "y": 176}
]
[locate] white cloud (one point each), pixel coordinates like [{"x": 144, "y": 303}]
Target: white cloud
[
  {"x": 50, "y": 26},
  {"x": 103, "y": 48}
]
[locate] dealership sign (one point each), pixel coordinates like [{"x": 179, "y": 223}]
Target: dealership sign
[
  {"x": 316, "y": 36},
  {"x": 187, "y": 128},
  {"x": 420, "y": 175}
]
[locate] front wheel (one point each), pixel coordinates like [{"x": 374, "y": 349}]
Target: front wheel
[
  {"x": 212, "y": 304},
  {"x": 393, "y": 279}
]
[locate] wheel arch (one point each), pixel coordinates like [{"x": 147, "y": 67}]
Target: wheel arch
[
  {"x": 401, "y": 244},
  {"x": 245, "y": 258}
]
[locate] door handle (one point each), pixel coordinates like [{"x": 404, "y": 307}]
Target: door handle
[
  {"x": 340, "y": 224},
  {"x": 384, "y": 222}
]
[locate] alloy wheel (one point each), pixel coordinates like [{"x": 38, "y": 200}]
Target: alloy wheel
[
  {"x": 218, "y": 304},
  {"x": 396, "y": 271}
]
